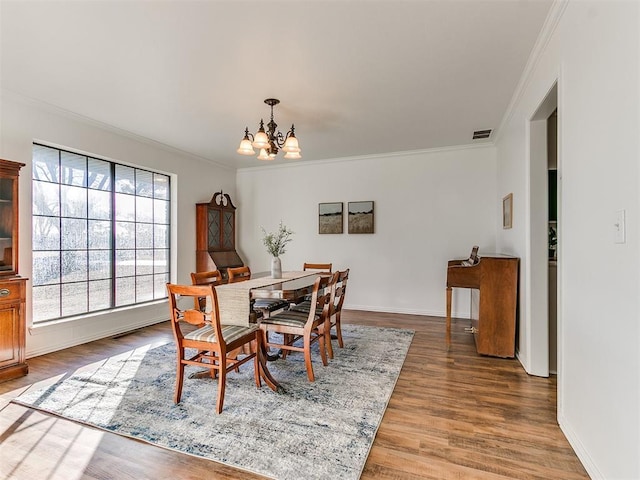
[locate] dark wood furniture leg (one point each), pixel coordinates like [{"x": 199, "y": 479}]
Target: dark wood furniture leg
[{"x": 262, "y": 363}]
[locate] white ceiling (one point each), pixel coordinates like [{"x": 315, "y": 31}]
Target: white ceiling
[{"x": 356, "y": 77}]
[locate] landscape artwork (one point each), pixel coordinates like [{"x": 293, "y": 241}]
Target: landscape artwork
[
  {"x": 360, "y": 217},
  {"x": 330, "y": 217}
]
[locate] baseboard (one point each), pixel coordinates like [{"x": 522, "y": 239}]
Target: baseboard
[
  {"x": 579, "y": 449},
  {"x": 406, "y": 311}
]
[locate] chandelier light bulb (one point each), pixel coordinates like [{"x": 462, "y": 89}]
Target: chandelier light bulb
[
  {"x": 263, "y": 155},
  {"x": 261, "y": 140},
  {"x": 246, "y": 148},
  {"x": 291, "y": 144},
  {"x": 292, "y": 155}
]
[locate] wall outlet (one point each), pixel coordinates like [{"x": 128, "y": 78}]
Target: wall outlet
[{"x": 619, "y": 227}]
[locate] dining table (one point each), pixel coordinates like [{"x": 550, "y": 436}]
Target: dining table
[{"x": 235, "y": 300}]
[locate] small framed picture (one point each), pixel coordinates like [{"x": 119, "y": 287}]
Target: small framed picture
[
  {"x": 330, "y": 217},
  {"x": 360, "y": 217},
  {"x": 507, "y": 211}
]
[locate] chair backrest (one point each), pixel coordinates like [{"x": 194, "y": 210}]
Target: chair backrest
[
  {"x": 323, "y": 267},
  {"x": 339, "y": 291},
  {"x": 213, "y": 277},
  {"x": 204, "y": 278},
  {"x": 238, "y": 274},
  {"x": 323, "y": 291},
  {"x": 194, "y": 316}
]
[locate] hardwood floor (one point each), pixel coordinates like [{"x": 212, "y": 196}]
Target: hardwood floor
[{"x": 453, "y": 415}]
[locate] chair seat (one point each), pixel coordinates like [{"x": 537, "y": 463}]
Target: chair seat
[
  {"x": 270, "y": 304},
  {"x": 292, "y": 318},
  {"x": 303, "y": 307},
  {"x": 229, "y": 333}
]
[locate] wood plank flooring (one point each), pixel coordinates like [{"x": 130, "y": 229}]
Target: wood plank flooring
[{"x": 453, "y": 415}]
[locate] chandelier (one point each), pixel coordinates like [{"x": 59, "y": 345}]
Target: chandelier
[{"x": 271, "y": 140}]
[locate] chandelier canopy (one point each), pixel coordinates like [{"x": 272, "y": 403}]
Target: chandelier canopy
[{"x": 269, "y": 142}]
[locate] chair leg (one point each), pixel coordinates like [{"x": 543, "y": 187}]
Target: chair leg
[
  {"x": 222, "y": 382},
  {"x": 214, "y": 372},
  {"x": 339, "y": 330},
  {"x": 257, "y": 347},
  {"x": 234, "y": 354},
  {"x": 286, "y": 340},
  {"x": 307, "y": 358},
  {"x": 179, "y": 377},
  {"x": 327, "y": 338},
  {"x": 322, "y": 340}
]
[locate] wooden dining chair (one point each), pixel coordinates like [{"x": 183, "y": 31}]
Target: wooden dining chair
[
  {"x": 320, "y": 268},
  {"x": 337, "y": 300},
  {"x": 212, "y": 340},
  {"x": 204, "y": 278},
  {"x": 212, "y": 277},
  {"x": 238, "y": 274},
  {"x": 336, "y": 310},
  {"x": 310, "y": 327},
  {"x": 323, "y": 268},
  {"x": 266, "y": 306}
]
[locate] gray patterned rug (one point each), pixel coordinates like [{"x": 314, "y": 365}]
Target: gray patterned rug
[{"x": 314, "y": 430}]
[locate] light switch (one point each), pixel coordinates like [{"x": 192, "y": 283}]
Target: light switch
[{"x": 619, "y": 227}]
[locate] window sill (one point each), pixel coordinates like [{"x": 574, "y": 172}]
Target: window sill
[{"x": 42, "y": 327}]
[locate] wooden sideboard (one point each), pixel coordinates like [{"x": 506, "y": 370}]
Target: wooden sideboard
[{"x": 493, "y": 281}]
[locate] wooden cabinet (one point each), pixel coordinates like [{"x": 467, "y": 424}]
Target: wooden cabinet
[
  {"x": 216, "y": 235},
  {"x": 12, "y": 328},
  {"x": 12, "y": 287},
  {"x": 494, "y": 316}
]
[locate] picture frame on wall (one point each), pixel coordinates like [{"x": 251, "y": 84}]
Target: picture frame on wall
[
  {"x": 330, "y": 217},
  {"x": 360, "y": 217},
  {"x": 507, "y": 211}
]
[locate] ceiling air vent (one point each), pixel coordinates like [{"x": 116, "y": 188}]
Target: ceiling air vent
[{"x": 481, "y": 134}]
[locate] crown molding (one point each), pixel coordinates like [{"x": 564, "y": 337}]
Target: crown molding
[{"x": 404, "y": 153}]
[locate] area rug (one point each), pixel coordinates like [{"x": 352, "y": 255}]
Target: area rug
[{"x": 314, "y": 430}]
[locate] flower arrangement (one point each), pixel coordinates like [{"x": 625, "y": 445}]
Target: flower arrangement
[{"x": 276, "y": 242}]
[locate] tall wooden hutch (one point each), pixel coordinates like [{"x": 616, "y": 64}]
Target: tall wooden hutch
[
  {"x": 216, "y": 235},
  {"x": 12, "y": 287}
]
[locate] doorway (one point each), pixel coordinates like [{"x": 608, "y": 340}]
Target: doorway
[{"x": 542, "y": 338}]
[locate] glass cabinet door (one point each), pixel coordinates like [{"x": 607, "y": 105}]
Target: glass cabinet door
[
  {"x": 6, "y": 226},
  {"x": 9, "y": 217}
]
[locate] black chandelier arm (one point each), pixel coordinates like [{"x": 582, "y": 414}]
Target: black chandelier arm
[
  {"x": 280, "y": 138},
  {"x": 247, "y": 134}
]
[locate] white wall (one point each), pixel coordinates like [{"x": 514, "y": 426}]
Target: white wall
[
  {"x": 593, "y": 54},
  {"x": 429, "y": 207},
  {"x": 194, "y": 180}
]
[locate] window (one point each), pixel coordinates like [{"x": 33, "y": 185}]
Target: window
[{"x": 100, "y": 234}]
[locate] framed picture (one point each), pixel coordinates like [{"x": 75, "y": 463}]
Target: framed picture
[
  {"x": 507, "y": 211},
  {"x": 330, "y": 217},
  {"x": 360, "y": 217}
]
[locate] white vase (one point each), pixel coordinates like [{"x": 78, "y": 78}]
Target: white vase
[{"x": 276, "y": 267}]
